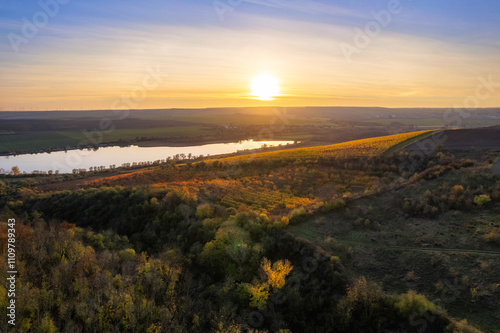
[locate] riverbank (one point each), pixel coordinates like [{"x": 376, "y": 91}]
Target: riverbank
[
  {"x": 109, "y": 157},
  {"x": 148, "y": 143}
]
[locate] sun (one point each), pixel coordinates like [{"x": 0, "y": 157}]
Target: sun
[{"x": 265, "y": 87}]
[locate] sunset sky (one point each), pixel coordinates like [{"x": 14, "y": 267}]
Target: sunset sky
[{"x": 203, "y": 53}]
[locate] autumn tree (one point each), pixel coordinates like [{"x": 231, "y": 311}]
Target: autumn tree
[
  {"x": 362, "y": 297},
  {"x": 15, "y": 170},
  {"x": 277, "y": 272}
]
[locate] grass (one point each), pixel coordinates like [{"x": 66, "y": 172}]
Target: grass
[
  {"x": 450, "y": 248},
  {"x": 36, "y": 141},
  {"x": 45, "y": 140},
  {"x": 132, "y": 134}
]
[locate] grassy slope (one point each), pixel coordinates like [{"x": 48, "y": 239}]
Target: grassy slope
[
  {"x": 446, "y": 250},
  {"x": 406, "y": 143},
  {"x": 363, "y": 147}
]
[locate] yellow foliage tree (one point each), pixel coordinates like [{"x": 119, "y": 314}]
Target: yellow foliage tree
[
  {"x": 277, "y": 273},
  {"x": 258, "y": 295}
]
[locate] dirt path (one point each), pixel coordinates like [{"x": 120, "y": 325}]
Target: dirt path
[
  {"x": 420, "y": 249},
  {"x": 317, "y": 237}
]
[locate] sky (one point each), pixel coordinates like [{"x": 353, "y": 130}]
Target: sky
[{"x": 78, "y": 55}]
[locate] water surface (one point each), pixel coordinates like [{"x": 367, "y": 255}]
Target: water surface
[{"x": 65, "y": 162}]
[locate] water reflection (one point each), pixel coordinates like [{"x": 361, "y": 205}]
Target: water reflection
[{"x": 65, "y": 162}]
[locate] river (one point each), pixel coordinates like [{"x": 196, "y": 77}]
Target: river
[{"x": 66, "y": 162}]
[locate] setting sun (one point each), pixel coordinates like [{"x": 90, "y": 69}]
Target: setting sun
[{"x": 265, "y": 87}]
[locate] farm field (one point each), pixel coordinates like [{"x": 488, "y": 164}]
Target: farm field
[
  {"x": 435, "y": 122},
  {"x": 467, "y": 139}
]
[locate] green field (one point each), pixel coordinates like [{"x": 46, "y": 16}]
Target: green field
[
  {"x": 245, "y": 119},
  {"x": 46, "y": 140}
]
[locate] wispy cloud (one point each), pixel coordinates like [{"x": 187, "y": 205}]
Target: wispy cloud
[{"x": 310, "y": 7}]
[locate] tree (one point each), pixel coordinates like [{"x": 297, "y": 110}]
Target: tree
[
  {"x": 277, "y": 273},
  {"x": 15, "y": 170},
  {"x": 258, "y": 295},
  {"x": 362, "y": 296}
]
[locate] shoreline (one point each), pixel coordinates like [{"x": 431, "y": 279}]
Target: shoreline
[
  {"x": 120, "y": 170},
  {"x": 144, "y": 144}
]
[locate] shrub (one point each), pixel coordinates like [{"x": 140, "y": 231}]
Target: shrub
[
  {"x": 458, "y": 189},
  {"x": 335, "y": 259},
  {"x": 482, "y": 199},
  {"x": 335, "y": 205},
  {"x": 297, "y": 214},
  {"x": 461, "y": 327},
  {"x": 493, "y": 237},
  {"x": 285, "y": 220},
  {"x": 413, "y": 303}
]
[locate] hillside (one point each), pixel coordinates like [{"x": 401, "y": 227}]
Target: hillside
[
  {"x": 357, "y": 148},
  {"x": 467, "y": 139},
  {"x": 357, "y": 236}
]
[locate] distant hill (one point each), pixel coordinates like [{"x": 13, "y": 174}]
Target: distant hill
[{"x": 337, "y": 112}]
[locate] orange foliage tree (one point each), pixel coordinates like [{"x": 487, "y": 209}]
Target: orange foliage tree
[{"x": 277, "y": 272}]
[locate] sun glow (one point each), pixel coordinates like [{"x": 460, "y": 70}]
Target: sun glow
[{"x": 265, "y": 87}]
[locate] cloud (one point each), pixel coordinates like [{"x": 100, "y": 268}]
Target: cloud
[{"x": 309, "y": 7}]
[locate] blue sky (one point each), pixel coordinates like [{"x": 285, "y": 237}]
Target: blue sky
[{"x": 431, "y": 53}]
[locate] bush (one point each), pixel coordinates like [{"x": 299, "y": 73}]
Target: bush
[
  {"x": 493, "y": 237},
  {"x": 482, "y": 199},
  {"x": 461, "y": 327},
  {"x": 297, "y": 214},
  {"x": 412, "y": 303},
  {"x": 335, "y": 205}
]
